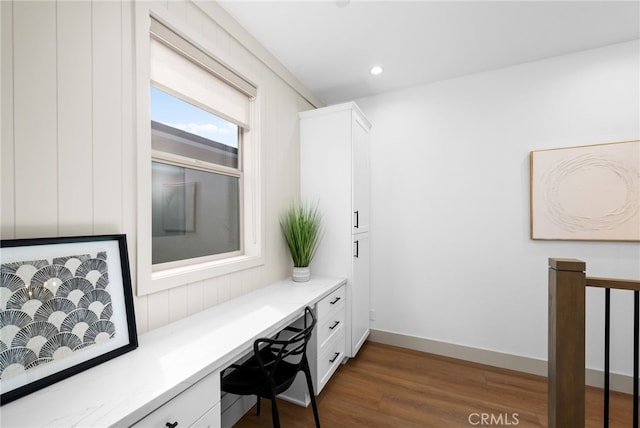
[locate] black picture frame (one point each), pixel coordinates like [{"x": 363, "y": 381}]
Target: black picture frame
[{"x": 66, "y": 305}]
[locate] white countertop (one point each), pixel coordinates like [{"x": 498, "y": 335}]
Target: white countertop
[{"x": 168, "y": 360}]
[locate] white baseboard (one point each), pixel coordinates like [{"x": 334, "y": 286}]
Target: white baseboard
[{"x": 534, "y": 366}]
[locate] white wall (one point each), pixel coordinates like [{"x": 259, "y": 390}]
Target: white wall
[
  {"x": 69, "y": 127},
  {"x": 452, "y": 260},
  {"x": 451, "y": 256}
]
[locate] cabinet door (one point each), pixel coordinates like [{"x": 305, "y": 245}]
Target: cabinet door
[
  {"x": 360, "y": 176},
  {"x": 360, "y": 294},
  {"x": 211, "y": 419},
  {"x": 189, "y": 406}
]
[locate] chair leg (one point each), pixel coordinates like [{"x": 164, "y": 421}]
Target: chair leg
[
  {"x": 307, "y": 374},
  {"x": 258, "y": 405},
  {"x": 274, "y": 413}
]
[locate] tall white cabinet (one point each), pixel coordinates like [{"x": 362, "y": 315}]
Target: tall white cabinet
[{"x": 334, "y": 155}]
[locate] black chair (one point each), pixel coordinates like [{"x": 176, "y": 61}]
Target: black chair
[{"x": 273, "y": 367}]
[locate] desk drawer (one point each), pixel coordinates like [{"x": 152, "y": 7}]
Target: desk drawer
[
  {"x": 211, "y": 419},
  {"x": 330, "y": 358},
  {"x": 188, "y": 407},
  {"x": 331, "y": 303},
  {"x": 329, "y": 327}
]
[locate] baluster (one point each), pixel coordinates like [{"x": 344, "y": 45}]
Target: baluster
[
  {"x": 636, "y": 340},
  {"x": 607, "y": 341}
]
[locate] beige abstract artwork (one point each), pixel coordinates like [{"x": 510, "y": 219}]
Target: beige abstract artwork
[{"x": 586, "y": 192}]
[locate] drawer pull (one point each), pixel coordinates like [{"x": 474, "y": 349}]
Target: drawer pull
[
  {"x": 334, "y": 301},
  {"x": 171, "y": 425},
  {"x": 334, "y": 357},
  {"x": 335, "y": 324}
]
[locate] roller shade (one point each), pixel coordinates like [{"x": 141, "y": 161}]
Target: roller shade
[{"x": 179, "y": 67}]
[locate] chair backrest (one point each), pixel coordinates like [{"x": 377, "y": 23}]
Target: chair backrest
[{"x": 276, "y": 355}]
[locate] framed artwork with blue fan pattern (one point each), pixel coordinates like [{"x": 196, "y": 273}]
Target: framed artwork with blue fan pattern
[{"x": 66, "y": 305}]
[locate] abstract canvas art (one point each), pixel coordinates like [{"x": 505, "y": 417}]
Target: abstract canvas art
[
  {"x": 586, "y": 192},
  {"x": 65, "y": 306}
]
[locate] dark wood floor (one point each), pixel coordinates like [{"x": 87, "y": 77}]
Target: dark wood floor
[{"x": 386, "y": 386}]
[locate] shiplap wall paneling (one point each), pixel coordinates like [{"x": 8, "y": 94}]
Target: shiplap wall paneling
[
  {"x": 35, "y": 113},
  {"x": 107, "y": 116},
  {"x": 129, "y": 149},
  {"x": 6, "y": 128},
  {"x": 178, "y": 303},
  {"x": 75, "y": 124},
  {"x": 69, "y": 136},
  {"x": 283, "y": 165},
  {"x": 195, "y": 298},
  {"x": 216, "y": 290},
  {"x": 157, "y": 309}
]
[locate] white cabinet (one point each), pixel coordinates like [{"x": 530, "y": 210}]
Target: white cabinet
[
  {"x": 360, "y": 304},
  {"x": 328, "y": 345},
  {"x": 360, "y": 174},
  {"x": 334, "y": 156},
  {"x": 198, "y": 407},
  {"x": 211, "y": 419},
  {"x": 326, "y": 349}
]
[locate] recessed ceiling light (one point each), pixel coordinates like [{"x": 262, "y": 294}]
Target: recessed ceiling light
[{"x": 376, "y": 69}]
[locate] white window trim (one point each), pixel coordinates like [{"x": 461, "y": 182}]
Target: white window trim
[{"x": 253, "y": 222}]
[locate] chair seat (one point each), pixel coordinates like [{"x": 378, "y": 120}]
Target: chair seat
[{"x": 250, "y": 379}]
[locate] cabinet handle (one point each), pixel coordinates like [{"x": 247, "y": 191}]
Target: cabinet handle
[
  {"x": 357, "y": 249},
  {"x": 171, "y": 425},
  {"x": 334, "y": 301},
  {"x": 334, "y": 357},
  {"x": 335, "y": 324},
  {"x": 357, "y": 223}
]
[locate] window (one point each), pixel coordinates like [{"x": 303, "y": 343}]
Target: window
[
  {"x": 203, "y": 208},
  {"x": 196, "y": 182}
]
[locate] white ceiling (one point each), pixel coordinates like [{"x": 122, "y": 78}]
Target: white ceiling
[{"x": 330, "y": 45}]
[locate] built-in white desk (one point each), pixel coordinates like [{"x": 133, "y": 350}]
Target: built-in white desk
[{"x": 169, "y": 360}]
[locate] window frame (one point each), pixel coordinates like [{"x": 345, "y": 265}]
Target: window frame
[
  {"x": 172, "y": 159},
  {"x": 252, "y": 253}
]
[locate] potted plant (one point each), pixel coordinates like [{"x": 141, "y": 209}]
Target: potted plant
[{"x": 301, "y": 228}]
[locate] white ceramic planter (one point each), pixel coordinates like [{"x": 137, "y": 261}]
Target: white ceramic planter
[{"x": 301, "y": 274}]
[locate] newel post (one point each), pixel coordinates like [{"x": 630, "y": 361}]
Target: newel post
[{"x": 566, "y": 343}]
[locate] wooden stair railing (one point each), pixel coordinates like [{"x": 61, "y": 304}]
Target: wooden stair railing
[
  {"x": 566, "y": 343},
  {"x": 566, "y": 365}
]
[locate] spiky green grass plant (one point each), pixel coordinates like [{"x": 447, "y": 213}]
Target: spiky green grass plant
[{"x": 301, "y": 228}]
